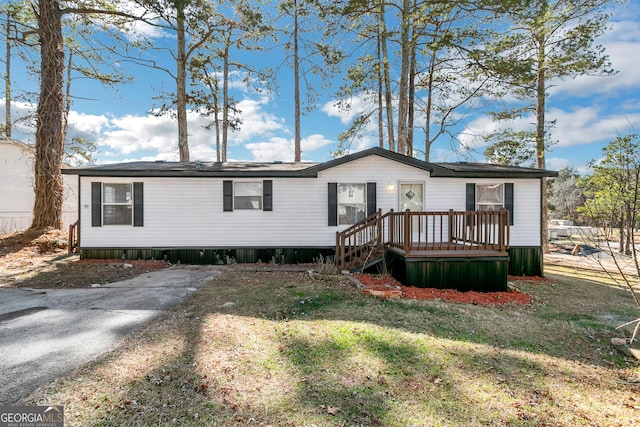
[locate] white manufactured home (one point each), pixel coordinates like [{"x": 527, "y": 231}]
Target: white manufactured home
[
  {"x": 207, "y": 212},
  {"x": 16, "y": 188}
]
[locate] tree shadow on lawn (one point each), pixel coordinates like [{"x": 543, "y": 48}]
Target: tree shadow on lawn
[{"x": 284, "y": 350}]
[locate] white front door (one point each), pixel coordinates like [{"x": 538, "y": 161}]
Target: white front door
[{"x": 412, "y": 198}]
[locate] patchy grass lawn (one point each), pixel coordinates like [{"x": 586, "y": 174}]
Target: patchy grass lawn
[{"x": 281, "y": 349}]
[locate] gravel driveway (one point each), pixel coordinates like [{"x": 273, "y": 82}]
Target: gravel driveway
[{"x": 46, "y": 333}]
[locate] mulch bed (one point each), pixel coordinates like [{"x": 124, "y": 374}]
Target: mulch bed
[{"x": 381, "y": 283}]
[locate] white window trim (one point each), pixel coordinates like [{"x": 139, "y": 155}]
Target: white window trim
[
  {"x": 104, "y": 204},
  {"x": 501, "y": 205},
  {"x": 261, "y": 195},
  {"x": 363, "y": 204}
]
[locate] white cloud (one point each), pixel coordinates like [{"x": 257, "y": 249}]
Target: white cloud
[
  {"x": 273, "y": 149},
  {"x": 357, "y": 104},
  {"x": 256, "y": 121},
  {"x": 620, "y": 43},
  {"x": 278, "y": 148},
  {"x": 589, "y": 124},
  {"x": 87, "y": 123},
  {"x": 135, "y": 133},
  {"x": 582, "y": 125}
]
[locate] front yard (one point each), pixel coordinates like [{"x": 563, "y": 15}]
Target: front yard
[{"x": 278, "y": 348}]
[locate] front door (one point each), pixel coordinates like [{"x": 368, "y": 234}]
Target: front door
[{"x": 412, "y": 198}]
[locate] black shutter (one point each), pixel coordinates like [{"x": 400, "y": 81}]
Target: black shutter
[
  {"x": 227, "y": 196},
  {"x": 471, "y": 197},
  {"x": 96, "y": 204},
  {"x": 267, "y": 195},
  {"x": 333, "y": 204},
  {"x": 371, "y": 198},
  {"x": 138, "y": 204},
  {"x": 508, "y": 200}
]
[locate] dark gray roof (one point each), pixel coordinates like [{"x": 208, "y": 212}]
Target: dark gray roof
[
  {"x": 300, "y": 170},
  {"x": 191, "y": 169},
  {"x": 465, "y": 169}
]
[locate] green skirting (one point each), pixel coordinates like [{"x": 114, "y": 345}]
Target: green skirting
[
  {"x": 525, "y": 261},
  {"x": 481, "y": 274},
  {"x": 212, "y": 256}
]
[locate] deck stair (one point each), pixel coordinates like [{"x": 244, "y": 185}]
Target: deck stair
[{"x": 361, "y": 245}]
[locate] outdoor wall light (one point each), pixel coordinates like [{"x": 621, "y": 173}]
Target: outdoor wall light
[{"x": 391, "y": 186}]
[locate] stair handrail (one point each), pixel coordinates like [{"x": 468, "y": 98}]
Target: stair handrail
[{"x": 374, "y": 221}]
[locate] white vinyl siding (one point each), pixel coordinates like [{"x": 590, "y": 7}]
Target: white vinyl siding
[
  {"x": 188, "y": 212},
  {"x": 17, "y": 192},
  {"x": 449, "y": 193}
]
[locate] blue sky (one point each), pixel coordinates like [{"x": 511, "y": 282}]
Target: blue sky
[{"x": 589, "y": 111}]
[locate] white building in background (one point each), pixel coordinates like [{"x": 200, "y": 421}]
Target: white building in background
[{"x": 16, "y": 188}]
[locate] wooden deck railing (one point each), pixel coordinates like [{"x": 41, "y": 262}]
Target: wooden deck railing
[
  {"x": 424, "y": 231},
  {"x": 73, "y": 237}
]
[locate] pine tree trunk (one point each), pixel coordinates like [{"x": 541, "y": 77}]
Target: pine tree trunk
[
  {"x": 7, "y": 82},
  {"x": 296, "y": 83},
  {"x": 225, "y": 97},
  {"x": 380, "y": 86},
  {"x": 47, "y": 208},
  {"x": 540, "y": 144},
  {"x": 403, "y": 89},
  {"x": 183, "y": 141},
  {"x": 387, "y": 77}
]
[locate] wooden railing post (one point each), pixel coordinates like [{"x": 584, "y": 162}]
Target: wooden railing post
[
  {"x": 380, "y": 240},
  {"x": 450, "y": 220},
  {"x": 73, "y": 232},
  {"x": 407, "y": 231},
  {"x": 504, "y": 229},
  {"x": 392, "y": 227},
  {"x": 340, "y": 260}
]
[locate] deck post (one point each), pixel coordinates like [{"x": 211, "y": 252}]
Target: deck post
[
  {"x": 450, "y": 221},
  {"x": 503, "y": 213},
  {"x": 380, "y": 239},
  {"x": 392, "y": 227},
  {"x": 407, "y": 231},
  {"x": 340, "y": 251}
]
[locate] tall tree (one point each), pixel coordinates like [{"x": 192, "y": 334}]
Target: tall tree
[
  {"x": 311, "y": 52},
  {"x": 435, "y": 83},
  {"x": 50, "y": 116},
  {"x": 19, "y": 34},
  {"x": 240, "y": 27},
  {"x": 50, "y": 113},
  {"x": 191, "y": 21},
  {"x": 543, "y": 41},
  {"x": 613, "y": 198},
  {"x": 614, "y": 188}
]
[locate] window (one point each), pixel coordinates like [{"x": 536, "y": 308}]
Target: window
[
  {"x": 485, "y": 197},
  {"x": 352, "y": 203},
  {"x": 256, "y": 195},
  {"x": 247, "y": 195},
  {"x": 489, "y": 197},
  {"x": 117, "y": 204}
]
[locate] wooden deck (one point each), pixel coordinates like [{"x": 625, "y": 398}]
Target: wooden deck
[
  {"x": 424, "y": 234},
  {"x": 458, "y": 250},
  {"x": 456, "y": 253}
]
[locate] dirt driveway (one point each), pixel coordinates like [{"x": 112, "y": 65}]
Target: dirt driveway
[{"x": 46, "y": 333}]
